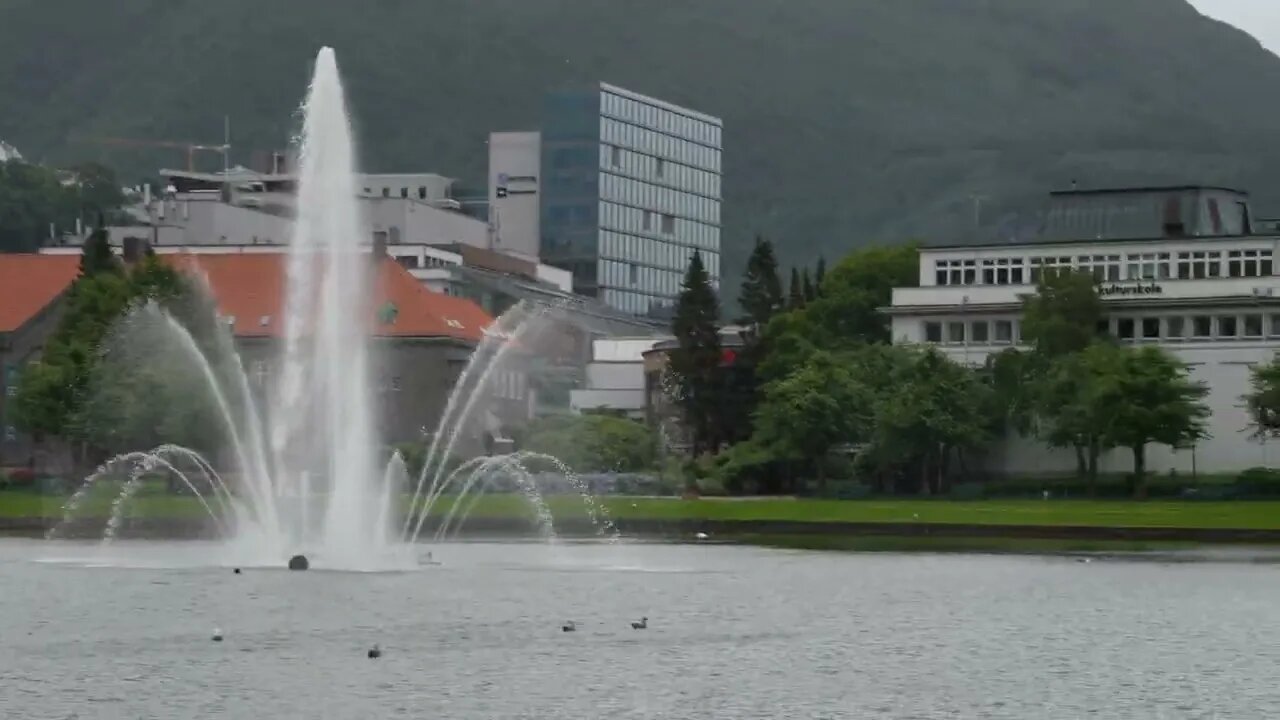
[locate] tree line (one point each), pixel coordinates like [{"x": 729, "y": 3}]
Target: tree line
[
  {"x": 37, "y": 202},
  {"x": 818, "y": 388}
]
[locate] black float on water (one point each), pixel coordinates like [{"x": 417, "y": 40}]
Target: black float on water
[
  {"x": 299, "y": 562},
  {"x": 569, "y": 626},
  {"x": 236, "y": 571},
  {"x": 217, "y": 635},
  {"x": 375, "y": 652},
  {"x": 642, "y": 625}
]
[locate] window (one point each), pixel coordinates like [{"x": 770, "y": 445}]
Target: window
[
  {"x": 1199, "y": 265},
  {"x": 1147, "y": 266},
  {"x": 1248, "y": 263},
  {"x": 404, "y": 193},
  {"x": 980, "y": 331},
  {"x": 1103, "y": 327},
  {"x": 669, "y": 224},
  {"x": 615, "y": 156},
  {"x": 956, "y": 272},
  {"x": 1150, "y": 328},
  {"x": 1253, "y": 326},
  {"x": 955, "y": 332},
  {"x": 1001, "y": 271},
  {"x": 395, "y": 383},
  {"x": 1004, "y": 331},
  {"x": 1175, "y": 327},
  {"x": 634, "y": 271},
  {"x": 1275, "y": 326},
  {"x": 1124, "y": 328},
  {"x": 659, "y": 166},
  {"x": 648, "y": 220},
  {"x": 386, "y": 192},
  {"x": 422, "y": 192},
  {"x": 1201, "y": 326},
  {"x": 933, "y": 332},
  {"x": 1227, "y": 327}
]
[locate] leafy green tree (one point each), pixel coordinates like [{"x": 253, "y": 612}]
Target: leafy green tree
[
  {"x": 855, "y": 290},
  {"x": 1151, "y": 400},
  {"x": 1072, "y": 404},
  {"x": 1263, "y": 399},
  {"x": 819, "y": 406},
  {"x": 1063, "y": 315},
  {"x": 929, "y": 411},
  {"x": 593, "y": 442},
  {"x": 761, "y": 293},
  {"x": 31, "y": 199},
  {"x": 695, "y": 362}
]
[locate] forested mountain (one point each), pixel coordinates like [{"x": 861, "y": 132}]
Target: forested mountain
[{"x": 847, "y": 122}]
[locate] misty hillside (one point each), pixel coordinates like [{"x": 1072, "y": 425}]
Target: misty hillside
[{"x": 847, "y": 122}]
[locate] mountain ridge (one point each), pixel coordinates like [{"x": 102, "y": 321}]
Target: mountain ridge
[{"x": 847, "y": 123}]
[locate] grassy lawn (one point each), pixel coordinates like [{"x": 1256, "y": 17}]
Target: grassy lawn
[{"x": 1101, "y": 513}]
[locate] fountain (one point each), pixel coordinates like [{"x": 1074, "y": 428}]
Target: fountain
[{"x": 308, "y": 491}]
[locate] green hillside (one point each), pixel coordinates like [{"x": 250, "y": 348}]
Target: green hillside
[{"x": 847, "y": 122}]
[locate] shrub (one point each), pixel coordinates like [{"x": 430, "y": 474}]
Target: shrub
[
  {"x": 22, "y": 478},
  {"x": 1258, "y": 482}
]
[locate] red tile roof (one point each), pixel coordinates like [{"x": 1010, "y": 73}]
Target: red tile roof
[
  {"x": 251, "y": 288},
  {"x": 28, "y": 283}
]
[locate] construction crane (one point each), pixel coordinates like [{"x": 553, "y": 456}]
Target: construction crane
[{"x": 191, "y": 148}]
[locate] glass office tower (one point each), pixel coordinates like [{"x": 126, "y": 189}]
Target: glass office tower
[{"x": 631, "y": 187}]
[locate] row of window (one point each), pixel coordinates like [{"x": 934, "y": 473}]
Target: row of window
[
  {"x": 646, "y": 195},
  {"x": 1170, "y": 214},
  {"x": 648, "y": 280},
  {"x": 646, "y": 251},
  {"x": 403, "y": 192},
  {"x": 660, "y": 171},
  {"x": 649, "y": 142},
  {"x": 1190, "y": 265},
  {"x": 646, "y": 222},
  {"x": 658, "y": 118},
  {"x": 1172, "y": 328},
  {"x": 627, "y": 301}
]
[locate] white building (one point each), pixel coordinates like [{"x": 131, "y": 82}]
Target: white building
[
  {"x": 1182, "y": 268},
  {"x": 615, "y": 376}
]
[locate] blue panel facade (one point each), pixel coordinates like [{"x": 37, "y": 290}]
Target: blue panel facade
[{"x": 632, "y": 188}]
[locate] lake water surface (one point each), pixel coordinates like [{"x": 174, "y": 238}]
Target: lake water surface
[{"x": 734, "y": 633}]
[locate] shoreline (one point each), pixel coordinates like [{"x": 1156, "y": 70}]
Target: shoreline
[{"x": 780, "y": 533}]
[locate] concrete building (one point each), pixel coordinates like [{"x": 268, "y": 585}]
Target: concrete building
[
  {"x": 245, "y": 207},
  {"x": 630, "y": 188},
  {"x": 1178, "y": 267},
  {"x": 515, "y": 164}
]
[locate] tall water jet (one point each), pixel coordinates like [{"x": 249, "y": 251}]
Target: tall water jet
[{"x": 326, "y": 320}]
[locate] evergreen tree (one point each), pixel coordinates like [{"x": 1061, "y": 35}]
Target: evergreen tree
[
  {"x": 695, "y": 362},
  {"x": 761, "y": 293},
  {"x": 795, "y": 296},
  {"x": 819, "y": 274},
  {"x": 810, "y": 294},
  {"x": 96, "y": 255}
]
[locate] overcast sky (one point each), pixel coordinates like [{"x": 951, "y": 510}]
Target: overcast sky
[{"x": 1260, "y": 18}]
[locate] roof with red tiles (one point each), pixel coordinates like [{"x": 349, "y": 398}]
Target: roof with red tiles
[
  {"x": 250, "y": 288},
  {"x": 28, "y": 283}
]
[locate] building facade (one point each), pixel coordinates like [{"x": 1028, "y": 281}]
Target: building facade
[
  {"x": 630, "y": 188},
  {"x": 1181, "y": 268},
  {"x": 515, "y": 164}
]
